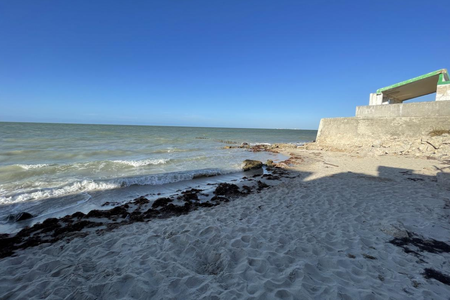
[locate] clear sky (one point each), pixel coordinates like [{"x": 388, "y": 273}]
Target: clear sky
[{"x": 242, "y": 63}]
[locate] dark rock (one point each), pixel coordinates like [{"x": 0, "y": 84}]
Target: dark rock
[
  {"x": 151, "y": 213},
  {"x": 227, "y": 189},
  {"x": 67, "y": 219},
  {"x": 207, "y": 204},
  {"x": 247, "y": 189},
  {"x": 7, "y": 245},
  {"x": 78, "y": 215},
  {"x": 23, "y": 216},
  {"x": 116, "y": 211},
  {"x": 77, "y": 226},
  {"x": 95, "y": 213},
  {"x": 31, "y": 242},
  {"x": 177, "y": 209},
  {"x": 27, "y": 231},
  {"x": 271, "y": 177},
  {"x": 161, "y": 202},
  {"x": 190, "y": 195},
  {"x": 50, "y": 224},
  {"x": 220, "y": 199},
  {"x": 261, "y": 185},
  {"x": 136, "y": 216},
  {"x": 421, "y": 244},
  {"x": 141, "y": 200},
  {"x": 252, "y": 164},
  {"x": 433, "y": 274}
]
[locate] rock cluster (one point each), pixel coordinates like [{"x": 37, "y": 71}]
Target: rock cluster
[{"x": 249, "y": 164}]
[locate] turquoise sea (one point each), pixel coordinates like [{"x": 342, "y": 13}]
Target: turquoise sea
[{"x": 49, "y": 169}]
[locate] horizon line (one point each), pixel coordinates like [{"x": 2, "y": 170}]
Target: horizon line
[{"x": 183, "y": 126}]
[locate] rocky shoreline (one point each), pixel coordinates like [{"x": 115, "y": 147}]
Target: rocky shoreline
[{"x": 141, "y": 209}]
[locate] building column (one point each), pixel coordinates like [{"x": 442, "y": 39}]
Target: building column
[
  {"x": 443, "y": 88},
  {"x": 376, "y": 99}
]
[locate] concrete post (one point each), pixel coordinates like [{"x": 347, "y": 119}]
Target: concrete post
[
  {"x": 376, "y": 99},
  {"x": 443, "y": 92}
]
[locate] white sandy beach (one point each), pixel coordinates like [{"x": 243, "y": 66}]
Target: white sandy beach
[{"x": 322, "y": 235}]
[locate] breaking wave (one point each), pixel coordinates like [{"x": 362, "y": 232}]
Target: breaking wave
[{"x": 102, "y": 185}]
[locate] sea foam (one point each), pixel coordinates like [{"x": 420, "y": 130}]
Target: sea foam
[
  {"x": 102, "y": 185},
  {"x": 141, "y": 163}
]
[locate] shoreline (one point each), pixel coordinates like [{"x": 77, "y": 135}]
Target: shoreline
[
  {"x": 112, "y": 215},
  {"x": 333, "y": 224}
]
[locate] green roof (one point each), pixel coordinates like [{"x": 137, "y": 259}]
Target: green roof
[{"x": 417, "y": 86}]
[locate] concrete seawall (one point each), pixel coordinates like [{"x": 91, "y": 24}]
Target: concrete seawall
[
  {"x": 358, "y": 131},
  {"x": 391, "y": 129},
  {"x": 420, "y": 109}
]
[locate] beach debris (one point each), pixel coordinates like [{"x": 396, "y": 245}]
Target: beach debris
[
  {"x": 227, "y": 189},
  {"x": 415, "y": 179},
  {"x": 434, "y": 274},
  {"x": 23, "y": 216},
  {"x": 247, "y": 189},
  {"x": 261, "y": 186},
  {"x": 220, "y": 199},
  {"x": 270, "y": 177},
  {"x": 368, "y": 256},
  {"x": 414, "y": 244},
  {"x": 249, "y": 164},
  {"x": 161, "y": 202},
  {"x": 190, "y": 195},
  {"x": 141, "y": 200}
]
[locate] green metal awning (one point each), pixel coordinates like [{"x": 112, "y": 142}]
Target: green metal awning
[{"x": 415, "y": 87}]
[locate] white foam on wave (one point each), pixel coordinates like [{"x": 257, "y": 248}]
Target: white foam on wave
[
  {"x": 79, "y": 186},
  {"x": 94, "y": 164},
  {"x": 92, "y": 185},
  {"x": 36, "y": 166},
  {"x": 141, "y": 163}
]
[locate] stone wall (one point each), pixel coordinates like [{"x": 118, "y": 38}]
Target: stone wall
[
  {"x": 419, "y": 109},
  {"x": 416, "y": 136}
]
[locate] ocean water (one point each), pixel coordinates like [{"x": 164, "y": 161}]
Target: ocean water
[{"x": 46, "y": 168}]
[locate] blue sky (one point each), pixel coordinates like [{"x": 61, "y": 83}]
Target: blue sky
[{"x": 258, "y": 64}]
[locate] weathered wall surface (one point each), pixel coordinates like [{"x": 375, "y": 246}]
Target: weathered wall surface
[
  {"x": 401, "y": 135},
  {"x": 419, "y": 109},
  {"x": 443, "y": 92}
]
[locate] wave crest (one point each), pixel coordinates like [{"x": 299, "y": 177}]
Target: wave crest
[
  {"x": 93, "y": 185},
  {"x": 144, "y": 162}
]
